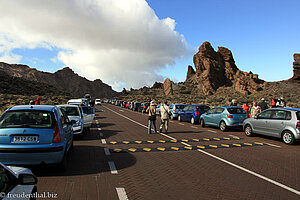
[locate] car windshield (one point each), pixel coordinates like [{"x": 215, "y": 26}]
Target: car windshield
[
  {"x": 203, "y": 108},
  {"x": 179, "y": 106},
  {"x": 236, "y": 111},
  {"x": 27, "y": 119},
  {"x": 71, "y": 111},
  {"x": 88, "y": 110}
]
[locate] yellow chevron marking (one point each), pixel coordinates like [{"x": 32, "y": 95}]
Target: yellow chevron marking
[
  {"x": 162, "y": 141},
  {"x": 201, "y": 147},
  {"x": 238, "y": 145},
  {"x": 226, "y": 138},
  {"x": 259, "y": 143},
  {"x": 146, "y": 149},
  {"x": 132, "y": 150},
  {"x": 184, "y": 140},
  {"x": 113, "y": 142},
  {"x": 117, "y": 150},
  {"x": 197, "y": 140},
  {"x": 138, "y": 142},
  {"x": 206, "y": 139},
  {"x": 189, "y": 148},
  {"x": 174, "y": 141},
  {"x": 236, "y": 138},
  {"x": 150, "y": 141},
  {"x": 225, "y": 145},
  {"x": 126, "y": 142},
  {"x": 216, "y": 138},
  {"x": 175, "y": 148},
  {"x": 214, "y": 146},
  {"x": 161, "y": 149},
  {"x": 248, "y": 144}
]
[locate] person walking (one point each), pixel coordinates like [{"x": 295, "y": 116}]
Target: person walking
[
  {"x": 151, "y": 116},
  {"x": 263, "y": 105},
  {"x": 164, "y": 117},
  {"x": 234, "y": 102},
  {"x": 255, "y": 109},
  {"x": 38, "y": 101},
  {"x": 246, "y": 107},
  {"x": 281, "y": 102}
]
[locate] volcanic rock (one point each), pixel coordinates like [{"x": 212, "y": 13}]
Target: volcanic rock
[
  {"x": 190, "y": 73},
  {"x": 168, "y": 87},
  {"x": 296, "y": 67}
]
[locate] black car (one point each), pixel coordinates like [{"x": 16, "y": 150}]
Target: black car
[
  {"x": 144, "y": 107},
  {"x": 136, "y": 106}
]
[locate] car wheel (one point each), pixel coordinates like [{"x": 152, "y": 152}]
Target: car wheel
[
  {"x": 193, "y": 120},
  {"x": 223, "y": 126},
  {"x": 202, "y": 123},
  {"x": 179, "y": 118},
  {"x": 248, "y": 131},
  {"x": 62, "y": 166},
  {"x": 288, "y": 137}
]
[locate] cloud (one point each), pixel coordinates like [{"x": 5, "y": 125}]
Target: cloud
[{"x": 120, "y": 42}]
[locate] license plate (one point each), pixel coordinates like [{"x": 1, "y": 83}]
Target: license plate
[{"x": 25, "y": 138}]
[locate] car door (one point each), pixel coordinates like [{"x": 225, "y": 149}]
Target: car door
[
  {"x": 183, "y": 113},
  {"x": 217, "y": 116},
  {"x": 190, "y": 112},
  {"x": 66, "y": 127},
  {"x": 7, "y": 181},
  {"x": 208, "y": 116},
  {"x": 260, "y": 123},
  {"x": 278, "y": 121}
]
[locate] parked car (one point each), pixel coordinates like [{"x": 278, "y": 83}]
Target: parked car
[
  {"x": 82, "y": 101},
  {"x": 282, "y": 123},
  {"x": 158, "y": 109},
  {"x": 35, "y": 134},
  {"x": 17, "y": 181},
  {"x": 88, "y": 116},
  {"x": 224, "y": 117},
  {"x": 175, "y": 109},
  {"x": 98, "y": 101},
  {"x": 136, "y": 106},
  {"x": 144, "y": 107},
  {"x": 192, "y": 113},
  {"x": 74, "y": 112}
]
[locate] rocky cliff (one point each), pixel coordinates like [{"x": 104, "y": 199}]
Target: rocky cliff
[
  {"x": 296, "y": 67},
  {"x": 64, "y": 80},
  {"x": 217, "y": 69}
]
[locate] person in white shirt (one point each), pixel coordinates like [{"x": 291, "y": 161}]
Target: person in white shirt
[{"x": 164, "y": 116}]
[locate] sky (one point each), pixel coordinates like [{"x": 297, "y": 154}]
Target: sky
[{"x": 133, "y": 43}]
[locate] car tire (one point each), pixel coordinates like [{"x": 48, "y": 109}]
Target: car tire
[
  {"x": 202, "y": 123},
  {"x": 62, "y": 166},
  {"x": 288, "y": 137},
  {"x": 223, "y": 126},
  {"x": 179, "y": 118},
  {"x": 248, "y": 131},
  {"x": 193, "y": 121}
]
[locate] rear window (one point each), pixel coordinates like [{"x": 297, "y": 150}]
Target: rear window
[
  {"x": 179, "y": 106},
  {"x": 71, "y": 111},
  {"x": 27, "y": 119},
  {"x": 203, "y": 108},
  {"x": 88, "y": 110},
  {"x": 236, "y": 111},
  {"x": 298, "y": 115}
]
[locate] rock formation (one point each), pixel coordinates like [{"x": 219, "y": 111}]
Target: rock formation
[
  {"x": 190, "y": 72},
  {"x": 296, "y": 67},
  {"x": 168, "y": 87},
  {"x": 217, "y": 69},
  {"x": 64, "y": 79}
]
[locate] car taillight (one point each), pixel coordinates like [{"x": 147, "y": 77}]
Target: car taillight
[
  {"x": 298, "y": 124},
  {"x": 229, "y": 116},
  {"x": 197, "y": 113},
  {"x": 174, "y": 110},
  {"x": 56, "y": 135}
]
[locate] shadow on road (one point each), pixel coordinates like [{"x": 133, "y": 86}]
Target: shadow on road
[{"x": 84, "y": 160}]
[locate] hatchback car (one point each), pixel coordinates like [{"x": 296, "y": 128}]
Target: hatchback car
[
  {"x": 98, "y": 101},
  {"x": 88, "y": 116},
  {"x": 175, "y": 109},
  {"x": 35, "y": 134},
  {"x": 16, "y": 182},
  {"x": 74, "y": 112},
  {"x": 282, "y": 123},
  {"x": 224, "y": 117},
  {"x": 192, "y": 113}
]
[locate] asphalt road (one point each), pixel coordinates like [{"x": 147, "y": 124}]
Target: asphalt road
[{"x": 119, "y": 160}]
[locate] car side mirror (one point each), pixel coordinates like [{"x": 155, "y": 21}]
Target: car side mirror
[{"x": 27, "y": 179}]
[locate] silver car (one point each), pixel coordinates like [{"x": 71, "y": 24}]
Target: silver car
[{"x": 277, "y": 122}]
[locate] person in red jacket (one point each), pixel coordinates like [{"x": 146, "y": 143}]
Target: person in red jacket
[{"x": 38, "y": 101}]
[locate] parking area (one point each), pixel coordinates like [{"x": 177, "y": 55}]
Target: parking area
[{"x": 119, "y": 160}]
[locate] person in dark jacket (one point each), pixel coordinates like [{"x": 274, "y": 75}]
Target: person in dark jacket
[
  {"x": 263, "y": 105},
  {"x": 233, "y": 102}
]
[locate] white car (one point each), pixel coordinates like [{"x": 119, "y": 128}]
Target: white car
[
  {"x": 17, "y": 183},
  {"x": 81, "y": 101},
  {"x": 98, "y": 101},
  {"x": 74, "y": 113},
  {"x": 88, "y": 116}
]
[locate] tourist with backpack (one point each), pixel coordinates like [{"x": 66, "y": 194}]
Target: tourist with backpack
[
  {"x": 281, "y": 102},
  {"x": 164, "y": 116},
  {"x": 151, "y": 116}
]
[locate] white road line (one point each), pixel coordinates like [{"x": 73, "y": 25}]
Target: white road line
[
  {"x": 229, "y": 163},
  {"x": 233, "y": 136},
  {"x": 168, "y": 136},
  {"x": 106, "y": 151},
  {"x": 101, "y": 134},
  {"x": 212, "y": 131},
  {"x": 273, "y": 145},
  {"x": 122, "y": 194},
  {"x": 181, "y": 124},
  {"x": 103, "y": 141},
  {"x": 112, "y": 167},
  {"x": 194, "y": 127},
  {"x": 251, "y": 172},
  {"x": 186, "y": 144}
]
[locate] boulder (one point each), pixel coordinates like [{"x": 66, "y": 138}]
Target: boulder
[
  {"x": 296, "y": 67},
  {"x": 190, "y": 73},
  {"x": 168, "y": 87}
]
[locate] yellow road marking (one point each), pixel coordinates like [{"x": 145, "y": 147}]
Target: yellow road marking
[
  {"x": 248, "y": 144},
  {"x": 113, "y": 142},
  {"x": 236, "y": 138},
  {"x": 150, "y": 141},
  {"x": 238, "y": 145},
  {"x": 216, "y": 138},
  {"x": 206, "y": 139},
  {"x": 162, "y": 141},
  {"x": 175, "y": 148},
  {"x": 132, "y": 150},
  {"x": 197, "y": 140},
  {"x": 117, "y": 150},
  {"x": 126, "y": 142},
  {"x": 189, "y": 148},
  {"x": 146, "y": 149},
  {"x": 201, "y": 147},
  {"x": 226, "y": 138},
  {"x": 214, "y": 146},
  {"x": 184, "y": 140},
  {"x": 173, "y": 140},
  {"x": 259, "y": 143},
  {"x": 161, "y": 149},
  {"x": 139, "y": 142},
  {"x": 225, "y": 145}
]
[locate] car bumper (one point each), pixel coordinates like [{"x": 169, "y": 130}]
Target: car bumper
[
  {"x": 31, "y": 156},
  {"x": 234, "y": 123}
]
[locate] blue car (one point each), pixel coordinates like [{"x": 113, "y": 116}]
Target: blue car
[
  {"x": 192, "y": 113},
  {"x": 224, "y": 117},
  {"x": 35, "y": 134},
  {"x": 175, "y": 109}
]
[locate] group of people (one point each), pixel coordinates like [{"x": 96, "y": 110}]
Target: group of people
[
  {"x": 164, "y": 116},
  {"x": 36, "y": 102}
]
